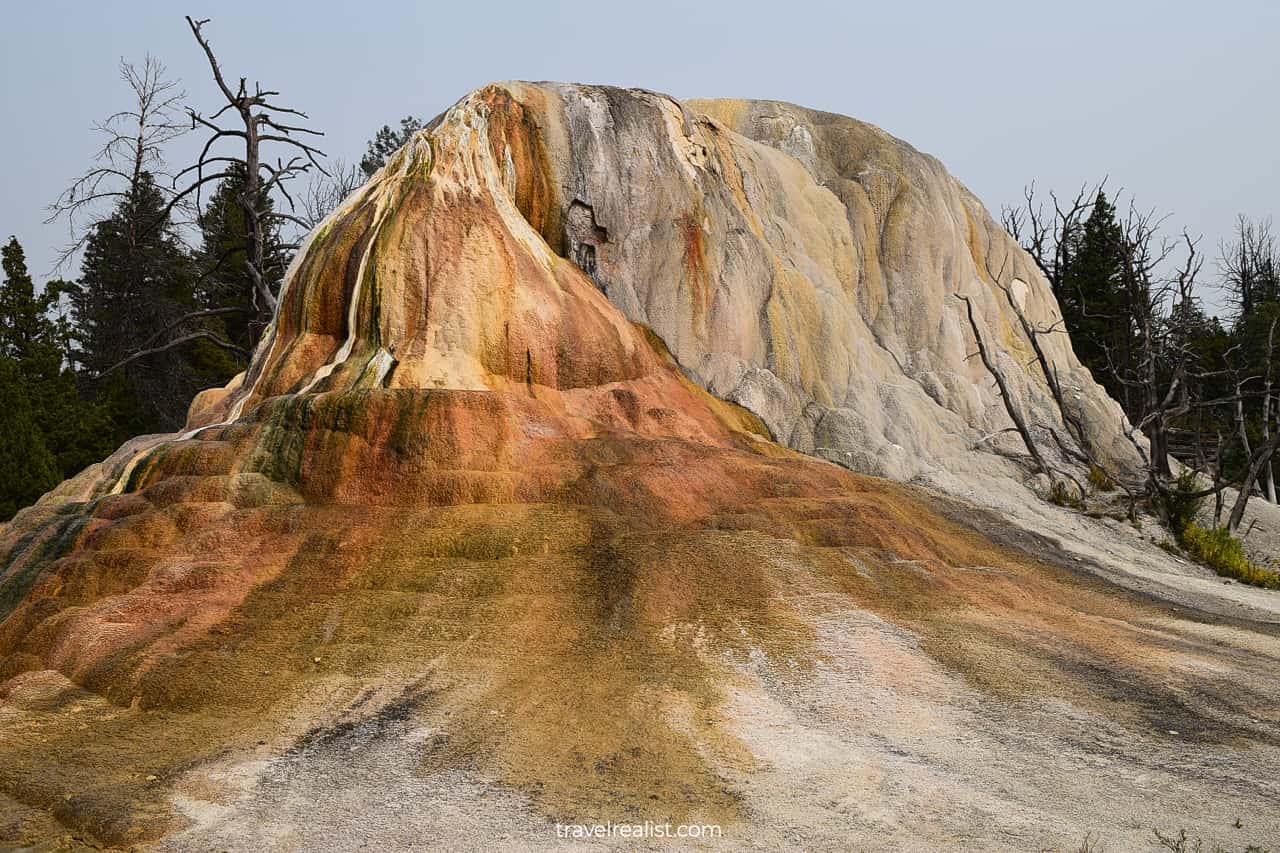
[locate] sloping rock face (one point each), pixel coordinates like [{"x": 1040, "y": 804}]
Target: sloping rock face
[
  {"x": 470, "y": 549},
  {"x": 804, "y": 265}
]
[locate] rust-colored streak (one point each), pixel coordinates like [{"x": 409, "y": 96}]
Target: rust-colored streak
[
  {"x": 696, "y": 278},
  {"x": 516, "y": 139}
]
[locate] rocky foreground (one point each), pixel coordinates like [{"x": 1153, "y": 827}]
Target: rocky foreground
[{"x": 515, "y": 521}]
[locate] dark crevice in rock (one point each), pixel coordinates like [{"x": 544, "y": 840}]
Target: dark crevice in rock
[{"x": 582, "y": 237}]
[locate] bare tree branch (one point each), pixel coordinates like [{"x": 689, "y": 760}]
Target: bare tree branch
[
  {"x": 134, "y": 140},
  {"x": 255, "y": 112},
  {"x": 199, "y": 334},
  {"x": 1006, "y": 394}
]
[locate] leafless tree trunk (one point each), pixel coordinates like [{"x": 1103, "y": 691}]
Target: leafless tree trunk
[
  {"x": 1218, "y": 500},
  {"x": 1033, "y": 334},
  {"x": 1082, "y": 452},
  {"x": 259, "y": 125},
  {"x": 134, "y": 145},
  {"x": 1256, "y": 463},
  {"x": 1241, "y": 424},
  {"x": 1006, "y": 395},
  {"x": 1268, "y": 473},
  {"x": 1155, "y": 346}
]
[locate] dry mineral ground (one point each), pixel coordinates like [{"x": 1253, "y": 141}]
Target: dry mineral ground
[{"x": 883, "y": 668}]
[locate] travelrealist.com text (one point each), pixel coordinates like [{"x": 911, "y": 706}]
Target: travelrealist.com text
[{"x": 648, "y": 829}]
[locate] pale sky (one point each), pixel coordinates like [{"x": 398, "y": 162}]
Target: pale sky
[{"x": 1175, "y": 101}]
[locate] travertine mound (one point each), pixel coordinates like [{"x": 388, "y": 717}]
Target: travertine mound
[
  {"x": 470, "y": 549},
  {"x": 801, "y": 264}
]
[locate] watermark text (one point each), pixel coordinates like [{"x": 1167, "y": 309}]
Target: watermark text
[{"x": 647, "y": 829}]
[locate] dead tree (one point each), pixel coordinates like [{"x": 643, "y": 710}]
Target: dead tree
[
  {"x": 1250, "y": 266},
  {"x": 1268, "y": 473},
  {"x": 1049, "y": 237},
  {"x": 261, "y": 122},
  {"x": 1033, "y": 334},
  {"x": 1260, "y": 458},
  {"x": 1159, "y": 369},
  {"x": 1163, "y": 373},
  {"x": 1160, "y": 351},
  {"x": 133, "y": 147},
  {"x": 1006, "y": 394},
  {"x": 325, "y": 192},
  {"x": 1167, "y": 373},
  {"x": 1081, "y": 452}
]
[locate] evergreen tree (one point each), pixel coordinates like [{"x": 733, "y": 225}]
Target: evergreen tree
[
  {"x": 27, "y": 468},
  {"x": 225, "y": 283},
  {"x": 386, "y": 142},
  {"x": 1095, "y": 305},
  {"x": 21, "y": 313},
  {"x": 136, "y": 281},
  {"x": 49, "y": 423}
]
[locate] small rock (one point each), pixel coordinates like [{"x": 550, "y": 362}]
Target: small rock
[
  {"x": 1173, "y": 731},
  {"x": 153, "y": 777},
  {"x": 315, "y": 660}
]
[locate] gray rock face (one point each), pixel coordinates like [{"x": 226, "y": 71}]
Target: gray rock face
[{"x": 806, "y": 265}]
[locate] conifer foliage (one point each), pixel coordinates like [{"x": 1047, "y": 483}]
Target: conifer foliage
[
  {"x": 1203, "y": 389},
  {"x": 48, "y": 430},
  {"x": 178, "y": 275}
]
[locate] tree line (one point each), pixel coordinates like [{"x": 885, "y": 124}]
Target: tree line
[
  {"x": 178, "y": 268},
  {"x": 1200, "y": 388}
]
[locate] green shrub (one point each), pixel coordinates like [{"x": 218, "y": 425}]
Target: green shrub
[
  {"x": 1180, "y": 505},
  {"x": 1222, "y": 552}
]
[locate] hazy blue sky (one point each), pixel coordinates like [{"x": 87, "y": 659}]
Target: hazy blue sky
[{"x": 1176, "y": 101}]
